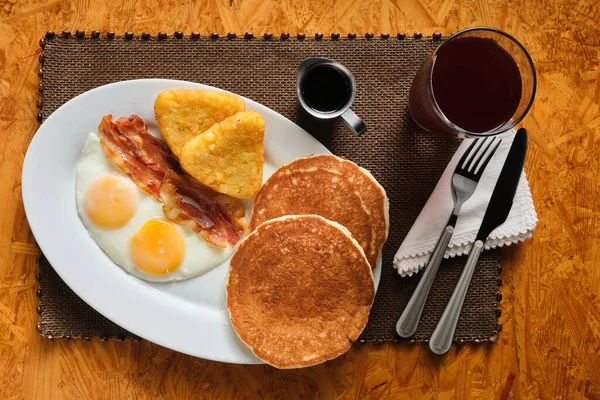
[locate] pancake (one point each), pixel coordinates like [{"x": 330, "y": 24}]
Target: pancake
[
  {"x": 371, "y": 192},
  {"x": 299, "y": 291},
  {"x": 315, "y": 191},
  {"x": 332, "y": 200}
]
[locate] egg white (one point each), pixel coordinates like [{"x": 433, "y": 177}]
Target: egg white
[{"x": 200, "y": 256}]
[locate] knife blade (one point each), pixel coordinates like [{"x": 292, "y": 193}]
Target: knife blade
[
  {"x": 496, "y": 213},
  {"x": 504, "y": 192}
]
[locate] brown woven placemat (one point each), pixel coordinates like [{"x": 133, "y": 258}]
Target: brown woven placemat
[{"x": 407, "y": 161}]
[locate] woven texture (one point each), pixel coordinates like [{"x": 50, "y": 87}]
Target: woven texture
[{"x": 404, "y": 159}]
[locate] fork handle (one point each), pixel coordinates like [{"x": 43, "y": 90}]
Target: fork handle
[
  {"x": 443, "y": 335},
  {"x": 409, "y": 320}
]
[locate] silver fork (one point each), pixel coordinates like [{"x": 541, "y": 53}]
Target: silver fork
[{"x": 464, "y": 181}]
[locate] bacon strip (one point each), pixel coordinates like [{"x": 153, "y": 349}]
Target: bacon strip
[
  {"x": 144, "y": 158},
  {"x": 151, "y": 166},
  {"x": 207, "y": 217}
]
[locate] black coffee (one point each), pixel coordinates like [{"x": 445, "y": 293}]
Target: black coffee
[{"x": 325, "y": 88}]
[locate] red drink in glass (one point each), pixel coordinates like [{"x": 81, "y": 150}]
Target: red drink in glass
[{"x": 479, "y": 82}]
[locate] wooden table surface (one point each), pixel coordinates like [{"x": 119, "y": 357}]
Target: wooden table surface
[{"x": 550, "y": 345}]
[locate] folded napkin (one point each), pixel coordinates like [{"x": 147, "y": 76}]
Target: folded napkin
[{"x": 418, "y": 245}]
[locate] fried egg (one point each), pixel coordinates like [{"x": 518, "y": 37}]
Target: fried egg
[{"x": 129, "y": 226}]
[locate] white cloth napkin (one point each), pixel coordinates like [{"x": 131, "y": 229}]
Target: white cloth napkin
[{"x": 418, "y": 245}]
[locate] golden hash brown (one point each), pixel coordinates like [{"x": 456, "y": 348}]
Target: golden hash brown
[
  {"x": 229, "y": 156},
  {"x": 183, "y": 114}
]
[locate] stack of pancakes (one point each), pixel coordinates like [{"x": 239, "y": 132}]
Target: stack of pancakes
[{"x": 300, "y": 286}]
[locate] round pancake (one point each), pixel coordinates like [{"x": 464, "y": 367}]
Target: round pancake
[
  {"x": 370, "y": 191},
  {"x": 299, "y": 291},
  {"x": 315, "y": 191}
]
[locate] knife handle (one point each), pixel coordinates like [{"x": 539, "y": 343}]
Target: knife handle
[
  {"x": 443, "y": 335},
  {"x": 409, "y": 320}
]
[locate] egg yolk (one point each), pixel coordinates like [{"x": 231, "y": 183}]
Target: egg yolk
[
  {"x": 157, "y": 248},
  {"x": 110, "y": 202}
]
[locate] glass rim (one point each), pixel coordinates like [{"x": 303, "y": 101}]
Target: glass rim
[{"x": 457, "y": 128}]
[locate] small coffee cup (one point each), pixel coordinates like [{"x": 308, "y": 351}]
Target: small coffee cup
[{"x": 326, "y": 90}]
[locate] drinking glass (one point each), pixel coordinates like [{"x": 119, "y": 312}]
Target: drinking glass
[{"x": 479, "y": 82}]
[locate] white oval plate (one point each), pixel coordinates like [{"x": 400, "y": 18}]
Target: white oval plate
[{"x": 188, "y": 316}]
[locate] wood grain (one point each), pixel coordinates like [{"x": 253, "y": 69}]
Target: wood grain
[{"x": 550, "y": 345}]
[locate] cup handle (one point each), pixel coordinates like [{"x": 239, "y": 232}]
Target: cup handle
[{"x": 354, "y": 122}]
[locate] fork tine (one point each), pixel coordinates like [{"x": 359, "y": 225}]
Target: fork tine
[
  {"x": 479, "y": 170},
  {"x": 467, "y": 153},
  {"x": 480, "y": 153}
]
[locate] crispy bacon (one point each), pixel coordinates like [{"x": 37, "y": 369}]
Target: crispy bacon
[
  {"x": 151, "y": 166},
  {"x": 144, "y": 158},
  {"x": 207, "y": 217}
]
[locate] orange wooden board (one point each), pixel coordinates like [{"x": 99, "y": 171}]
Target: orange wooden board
[{"x": 550, "y": 344}]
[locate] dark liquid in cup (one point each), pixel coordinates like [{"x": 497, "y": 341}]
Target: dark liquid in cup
[
  {"x": 325, "y": 88},
  {"x": 476, "y": 83}
]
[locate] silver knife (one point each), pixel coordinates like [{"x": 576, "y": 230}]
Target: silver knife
[{"x": 496, "y": 213}]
